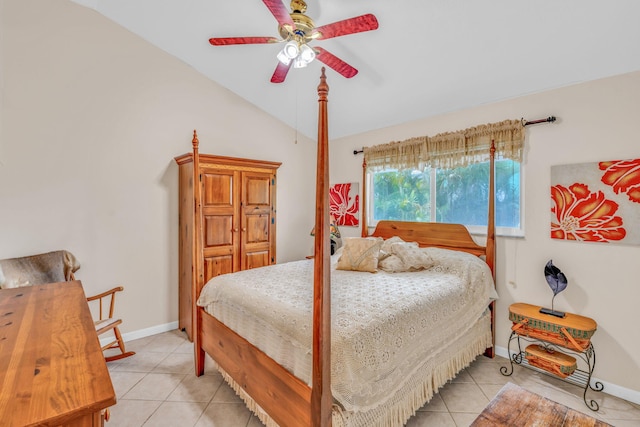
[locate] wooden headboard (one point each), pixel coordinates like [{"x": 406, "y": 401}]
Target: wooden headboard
[{"x": 447, "y": 236}]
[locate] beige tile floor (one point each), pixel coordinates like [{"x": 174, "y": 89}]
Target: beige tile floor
[{"x": 157, "y": 387}]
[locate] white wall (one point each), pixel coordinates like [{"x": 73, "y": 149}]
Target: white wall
[
  {"x": 92, "y": 117},
  {"x": 596, "y": 121}
]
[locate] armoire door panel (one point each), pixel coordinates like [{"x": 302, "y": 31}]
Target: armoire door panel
[
  {"x": 257, "y": 190},
  {"x": 218, "y": 230},
  {"x": 257, "y": 228},
  {"x": 256, "y": 259},
  {"x": 217, "y": 188}
]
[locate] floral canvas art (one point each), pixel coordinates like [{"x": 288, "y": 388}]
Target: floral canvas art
[
  {"x": 596, "y": 202},
  {"x": 344, "y": 203}
]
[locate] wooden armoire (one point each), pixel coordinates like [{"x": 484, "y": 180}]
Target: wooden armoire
[{"x": 238, "y": 223}]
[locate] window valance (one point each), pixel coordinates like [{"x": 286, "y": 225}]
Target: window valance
[{"x": 450, "y": 149}]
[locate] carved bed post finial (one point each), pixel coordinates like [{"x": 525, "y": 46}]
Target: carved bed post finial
[
  {"x": 323, "y": 87},
  {"x": 195, "y": 141}
]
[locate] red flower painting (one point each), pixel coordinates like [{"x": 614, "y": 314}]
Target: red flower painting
[
  {"x": 344, "y": 203},
  {"x": 623, "y": 176},
  {"x": 579, "y": 214}
]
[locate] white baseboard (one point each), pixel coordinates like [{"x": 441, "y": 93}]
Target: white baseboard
[
  {"x": 142, "y": 333},
  {"x": 609, "y": 388}
]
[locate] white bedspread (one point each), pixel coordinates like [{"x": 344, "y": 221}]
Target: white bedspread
[{"x": 384, "y": 325}]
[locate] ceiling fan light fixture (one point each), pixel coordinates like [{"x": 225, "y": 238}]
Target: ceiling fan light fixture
[
  {"x": 307, "y": 54},
  {"x": 299, "y": 62},
  {"x": 288, "y": 52},
  {"x": 291, "y": 49},
  {"x": 283, "y": 58}
]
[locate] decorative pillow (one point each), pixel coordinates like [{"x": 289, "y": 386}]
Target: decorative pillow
[
  {"x": 360, "y": 254},
  {"x": 412, "y": 256},
  {"x": 392, "y": 264},
  {"x": 406, "y": 256},
  {"x": 385, "y": 249}
]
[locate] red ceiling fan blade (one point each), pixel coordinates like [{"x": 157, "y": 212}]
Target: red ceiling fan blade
[
  {"x": 280, "y": 12},
  {"x": 281, "y": 72},
  {"x": 223, "y": 41},
  {"x": 334, "y": 62},
  {"x": 358, "y": 24}
]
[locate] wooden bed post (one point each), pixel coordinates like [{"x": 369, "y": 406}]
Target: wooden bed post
[
  {"x": 198, "y": 274},
  {"x": 490, "y": 256},
  {"x": 363, "y": 215},
  {"x": 321, "y": 399},
  {"x": 491, "y": 225}
]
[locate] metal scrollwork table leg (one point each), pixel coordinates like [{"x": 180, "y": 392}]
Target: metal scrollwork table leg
[{"x": 581, "y": 378}]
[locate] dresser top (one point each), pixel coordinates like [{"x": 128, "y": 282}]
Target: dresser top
[{"x": 52, "y": 368}]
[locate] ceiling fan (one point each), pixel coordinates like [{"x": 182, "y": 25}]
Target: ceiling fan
[{"x": 296, "y": 31}]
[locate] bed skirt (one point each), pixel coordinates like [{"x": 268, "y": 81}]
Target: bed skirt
[{"x": 428, "y": 379}]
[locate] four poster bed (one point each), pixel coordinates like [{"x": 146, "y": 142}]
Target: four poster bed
[{"x": 397, "y": 335}]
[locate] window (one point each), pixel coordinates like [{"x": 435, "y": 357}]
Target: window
[
  {"x": 445, "y": 178},
  {"x": 458, "y": 195}
]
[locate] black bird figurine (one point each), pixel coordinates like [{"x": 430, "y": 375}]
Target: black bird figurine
[{"x": 557, "y": 282}]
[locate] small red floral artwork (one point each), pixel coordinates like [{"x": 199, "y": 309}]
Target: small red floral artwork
[
  {"x": 584, "y": 215},
  {"x": 344, "y": 203},
  {"x": 623, "y": 176}
]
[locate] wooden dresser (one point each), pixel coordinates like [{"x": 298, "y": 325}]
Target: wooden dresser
[
  {"x": 52, "y": 370},
  {"x": 238, "y": 225}
]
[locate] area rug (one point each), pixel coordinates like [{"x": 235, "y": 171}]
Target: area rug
[{"x": 515, "y": 406}]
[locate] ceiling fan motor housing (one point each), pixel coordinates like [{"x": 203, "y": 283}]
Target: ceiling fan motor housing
[{"x": 304, "y": 26}]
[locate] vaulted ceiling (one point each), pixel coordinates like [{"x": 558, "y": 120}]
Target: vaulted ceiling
[{"x": 426, "y": 58}]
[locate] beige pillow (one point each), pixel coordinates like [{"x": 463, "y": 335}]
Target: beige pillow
[
  {"x": 406, "y": 256},
  {"x": 412, "y": 256},
  {"x": 360, "y": 254},
  {"x": 385, "y": 249},
  {"x": 392, "y": 264}
]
